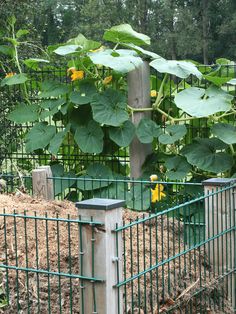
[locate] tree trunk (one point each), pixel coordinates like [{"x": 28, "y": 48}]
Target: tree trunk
[{"x": 205, "y": 23}]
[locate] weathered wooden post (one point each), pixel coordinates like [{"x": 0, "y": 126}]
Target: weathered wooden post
[
  {"x": 220, "y": 217},
  {"x": 101, "y": 256},
  {"x": 139, "y": 97},
  {"x": 42, "y": 186}
]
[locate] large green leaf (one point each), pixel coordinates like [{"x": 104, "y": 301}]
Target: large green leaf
[
  {"x": 89, "y": 137},
  {"x": 84, "y": 43},
  {"x": 110, "y": 108},
  {"x": 24, "y": 113},
  {"x": 14, "y": 80},
  {"x": 225, "y": 132},
  {"x": 217, "y": 80},
  {"x": 51, "y": 106},
  {"x": 198, "y": 102},
  {"x": 53, "y": 89},
  {"x": 206, "y": 154},
  {"x": 177, "y": 167},
  {"x": 147, "y": 129},
  {"x": 33, "y": 63},
  {"x": 123, "y": 134},
  {"x": 57, "y": 140},
  {"x": 85, "y": 94},
  {"x": 142, "y": 51},
  {"x": 7, "y": 50},
  {"x": 102, "y": 173},
  {"x": 121, "y": 60},
  {"x": 232, "y": 82},
  {"x": 181, "y": 69},
  {"x": 124, "y": 33},
  {"x": 65, "y": 179},
  {"x": 173, "y": 134},
  {"x": 66, "y": 49},
  {"x": 39, "y": 136},
  {"x": 139, "y": 197}
]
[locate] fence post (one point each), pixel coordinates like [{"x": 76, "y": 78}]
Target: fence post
[
  {"x": 220, "y": 215},
  {"x": 139, "y": 97},
  {"x": 42, "y": 187},
  {"x": 101, "y": 256}
]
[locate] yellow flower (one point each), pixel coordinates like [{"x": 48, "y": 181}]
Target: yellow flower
[
  {"x": 157, "y": 193},
  {"x": 107, "y": 80},
  {"x": 153, "y": 93},
  {"x": 9, "y": 74},
  {"x": 76, "y": 74},
  {"x": 72, "y": 69},
  {"x": 153, "y": 177}
]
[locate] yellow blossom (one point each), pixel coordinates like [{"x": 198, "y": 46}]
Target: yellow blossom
[
  {"x": 9, "y": 74},
  {"x": 153, "y": 93},
  {"x": 107, "y": 80},
  {"x": 153, "y": 177},
  {"x": 77, "y": 75},
  {"x": 157, "y": 193},
  {"x": 72, "y": 69}
]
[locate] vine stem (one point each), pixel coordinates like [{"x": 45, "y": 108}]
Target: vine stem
[
  {"x": 18, "y": 64},
  {"x": 232, "y": 149},
  {"x": 160, "y": 93},
  {"x": 139, "y": 109}
]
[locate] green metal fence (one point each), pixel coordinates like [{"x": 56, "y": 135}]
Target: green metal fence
[
  {"x": 171, "y": 268},
  {"x": 178, "y": 259},
  {"x": 40, "y": 258}
]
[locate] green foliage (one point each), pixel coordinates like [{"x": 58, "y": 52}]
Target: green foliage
[
  {"x": 147, "y": 130},
  {"x": 87, "y": 113},
  {"x": 173, "y": 134},
  {"x": 199, "y": 102},
  {"x": 109, "y": 108},
  {"x": 208, "y": 155}
]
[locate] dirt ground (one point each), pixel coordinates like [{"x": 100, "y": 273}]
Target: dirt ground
[{"x": 55, "y": 246}]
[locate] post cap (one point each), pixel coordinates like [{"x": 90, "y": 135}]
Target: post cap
[
  {"x": 219, "y": 181},
  {"x": 100, "y": 203}
]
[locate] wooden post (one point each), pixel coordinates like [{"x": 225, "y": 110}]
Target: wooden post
[
  {"x": 220, "y": 215},
  {"x": 42, "y": 187},
  {"x": 139, "y": 97},
  {"x": 107, "y": 253}
]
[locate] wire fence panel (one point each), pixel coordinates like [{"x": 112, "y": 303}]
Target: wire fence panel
[
  {"x": 12, "y": 143},
  {"x": 40, "y": 262},
  {"x": 171, "y": 267}
]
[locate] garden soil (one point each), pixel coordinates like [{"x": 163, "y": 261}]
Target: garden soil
[{"x": 35, "y": 244}]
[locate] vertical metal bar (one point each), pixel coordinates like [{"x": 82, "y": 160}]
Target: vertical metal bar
[
  {"x": 69, "y": 262},
  {"x": 37, "y": 260},
  {"x": 59, "y": 264},
  {"x": 48, "y": 263},
  {"x": 16, "y": 263},
  {"x": 26, "y": 261}
]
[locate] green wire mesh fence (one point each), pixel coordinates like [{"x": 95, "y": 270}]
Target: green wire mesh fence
[
  {"x": 12, "y": 146},
  {"x": 179, "y": 258},
  {"x": 171, "y": 268}
]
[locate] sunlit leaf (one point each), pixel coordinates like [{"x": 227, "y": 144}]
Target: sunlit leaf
[
  {"x": 124, "y": 33},
  {"x": 198, "y": 102}
]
